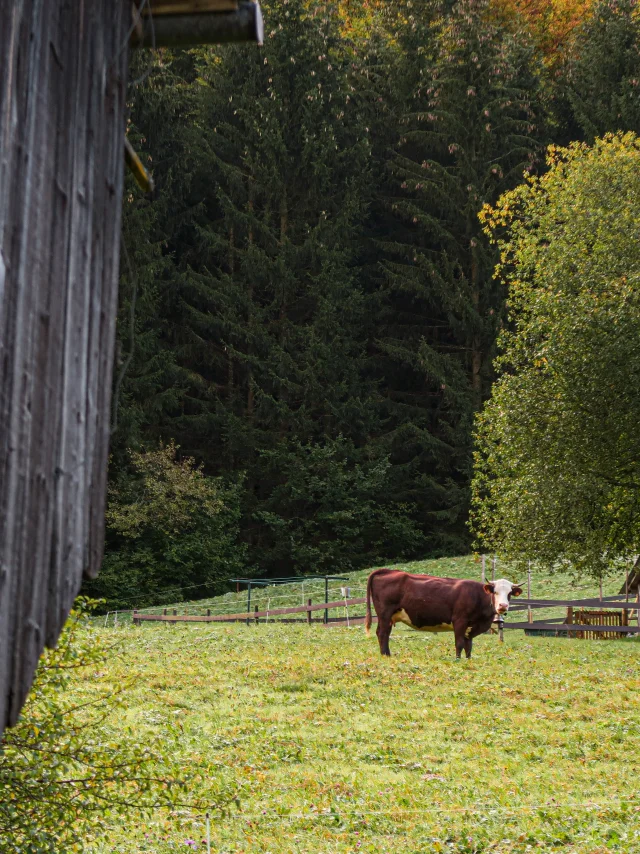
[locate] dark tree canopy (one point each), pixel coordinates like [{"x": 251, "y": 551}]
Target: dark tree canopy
[{"x": 308, "y": 306}]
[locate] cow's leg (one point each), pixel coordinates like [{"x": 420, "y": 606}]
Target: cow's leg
[
  {"x": 383, "y": 631},
  {"x": 468, "y": 643},
  {"x": 469, "y": 634},
  {"x": 459, "y": 629}
]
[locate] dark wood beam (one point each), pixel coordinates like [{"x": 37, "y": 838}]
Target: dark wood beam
[
  {"x": 188, "y": 7},
  {"x": 243, "y": 24}
]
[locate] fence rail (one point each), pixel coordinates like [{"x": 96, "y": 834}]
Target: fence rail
[
  {"x": 550, "y": 624},
  {"x": 593, "y": 602}
]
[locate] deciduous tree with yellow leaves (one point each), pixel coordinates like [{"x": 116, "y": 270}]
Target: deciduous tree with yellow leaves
[{"x": 558, "y": 448}]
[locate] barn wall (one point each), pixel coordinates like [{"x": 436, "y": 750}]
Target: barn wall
[{"x": 62, "y": 90}]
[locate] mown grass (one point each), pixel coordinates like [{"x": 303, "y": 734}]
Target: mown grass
[{"x": 530, "y": 746}]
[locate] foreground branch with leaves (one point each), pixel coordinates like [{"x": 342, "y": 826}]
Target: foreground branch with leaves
[{"x": 65, "y": 773}]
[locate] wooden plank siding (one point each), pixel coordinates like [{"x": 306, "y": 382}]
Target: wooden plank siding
[{"x": 63, "y": 68}]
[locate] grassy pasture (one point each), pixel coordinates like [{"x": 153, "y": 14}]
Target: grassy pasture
[{"x": 533, "y": 745}]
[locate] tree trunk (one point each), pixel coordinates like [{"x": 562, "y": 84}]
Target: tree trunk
[{"x": 250, "y": 390}]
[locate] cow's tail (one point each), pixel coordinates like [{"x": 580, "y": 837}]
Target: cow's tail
[{"x": 367, "y": 621}]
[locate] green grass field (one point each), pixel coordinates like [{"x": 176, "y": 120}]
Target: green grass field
[{"x": 533, "y": 745}]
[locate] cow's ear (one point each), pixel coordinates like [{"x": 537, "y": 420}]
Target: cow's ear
[
  {"x": 516, "y": 591},
  {"x": 489, "y": 588}
]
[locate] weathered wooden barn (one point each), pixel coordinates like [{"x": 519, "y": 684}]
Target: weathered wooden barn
[{"x": 63, "y": 82}]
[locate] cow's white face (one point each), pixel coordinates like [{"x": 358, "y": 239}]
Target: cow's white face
[{"x": 502, "y": 591}]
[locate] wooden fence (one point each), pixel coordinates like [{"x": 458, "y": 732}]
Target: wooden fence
[{"x": 600, "y": 622}]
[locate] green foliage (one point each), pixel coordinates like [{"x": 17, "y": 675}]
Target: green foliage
[
  {"x": 468, "y": 125},
  {"x": 169, "y": 529},
  {"x": 601, "y": 81},
  {"x": 312, "y": 282},
  {"x": 253, "y": 319},
  {"x": 471, "y": 130},
  {"x": 558, "y": 474},
  {"x": 65, "y": 772},
  {"x": 329, "y": 511}
]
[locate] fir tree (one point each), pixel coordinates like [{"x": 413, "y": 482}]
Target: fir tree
[
  {"x": 469, "y": 131},
  {"x": 266, "y": 194},
  {"x": 602, "y": 79}
]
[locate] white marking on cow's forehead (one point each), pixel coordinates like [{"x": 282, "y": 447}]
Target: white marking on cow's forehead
[
  {"x": 501, "y": 585},
  {"x": 501, "y": 591}
]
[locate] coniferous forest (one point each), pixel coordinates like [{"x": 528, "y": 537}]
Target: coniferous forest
[{"x": 308, "y": 311}]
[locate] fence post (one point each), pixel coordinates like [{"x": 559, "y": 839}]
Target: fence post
[
  {"x": 135, "y": 618},
  {"x": 529, "y": 592},
  {"x": 256, "y": 615},
  {"x": 484, "y": 575},
  {"x": 326, "y": 599},
  {"x": 309, "y": 612},
  {"x": 175, "y": 614},
  {"x": 208, "y": 612},
  {"x": 569, "y": 619},
  {"x": 625, "y": 612}
]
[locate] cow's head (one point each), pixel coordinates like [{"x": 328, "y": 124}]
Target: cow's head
[{"x": 502, "y": 591}]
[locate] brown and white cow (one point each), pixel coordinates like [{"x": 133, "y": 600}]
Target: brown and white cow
[{"x": 431, "y": 604}]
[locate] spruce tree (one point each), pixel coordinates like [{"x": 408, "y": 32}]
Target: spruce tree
[
  {"x": 601, "y": 83},
  {"x": 264, "y": 192},
  {"x": 470, "y": 129}
]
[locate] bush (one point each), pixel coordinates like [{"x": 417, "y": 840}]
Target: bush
[
  {"x": 172, "y": 533},
  {"x": 63, "y": 772}
]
